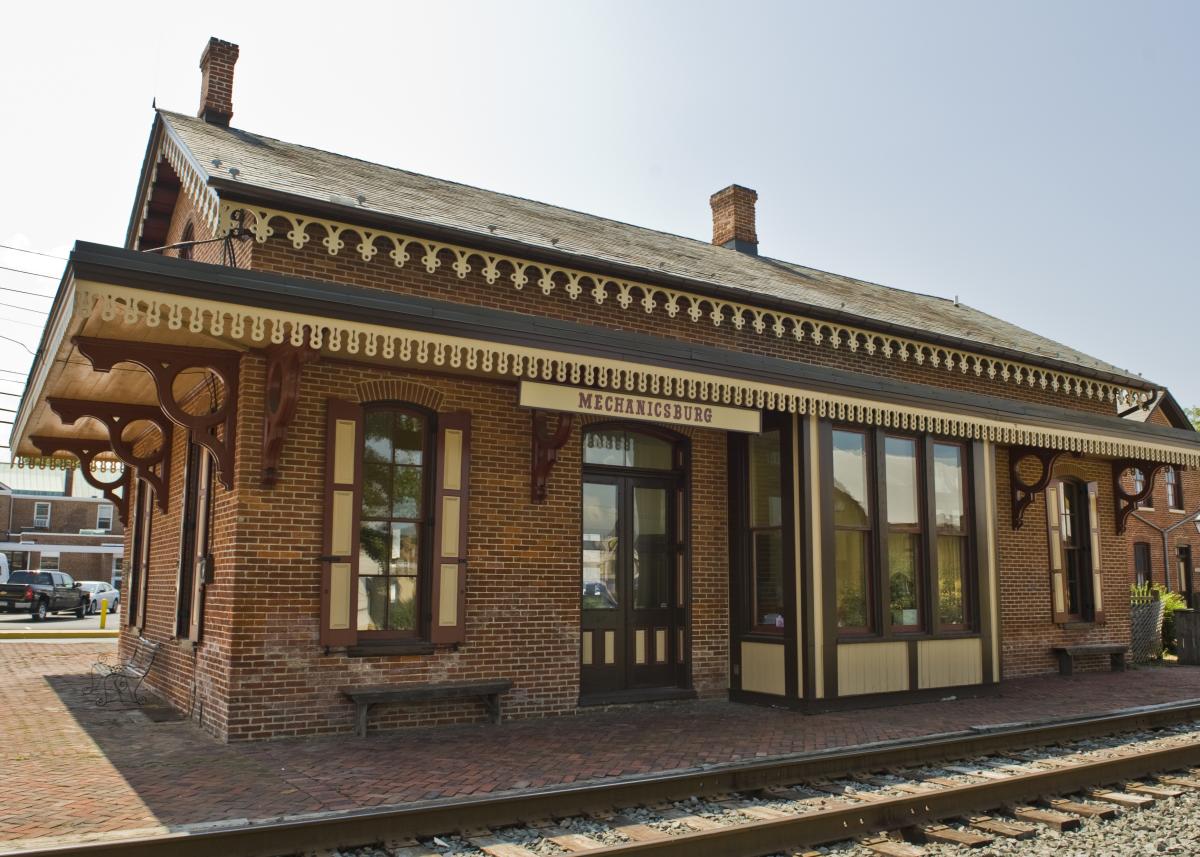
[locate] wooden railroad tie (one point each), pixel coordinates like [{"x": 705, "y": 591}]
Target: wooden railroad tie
[
  {"x": 695, "y": 822},
  {"x": 890, "y": 847},
  {"x": 1153, "y": 791},
  {"x": 1182, "y": 782},
  {"x": 1007, "y": 829},
  {"x": 572, "y": 842},
  {"x": 1087, "y": 810},
  {"x": 1048, "y": 817},
  {"x": 497, "y": 847},
  {"x": 1121, "y": 798},
  {"x": 954, "y": 836}
]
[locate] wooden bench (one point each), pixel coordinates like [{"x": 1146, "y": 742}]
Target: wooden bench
[
  {"x": 127, "y": 676},
  {"x": 1067, "y": 654},
  {"x": 364, "y": 697}
]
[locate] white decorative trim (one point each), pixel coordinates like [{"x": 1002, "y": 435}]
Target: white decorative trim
[
  {"x": 193, "y": 181},
  {"x": 494, "y": 267},
  {"x": 255, "y": 325}
]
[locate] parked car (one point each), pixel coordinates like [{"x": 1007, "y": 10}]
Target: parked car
[
  {"x": 98, "y": 592},
  {"x": 43, "y": 593}
]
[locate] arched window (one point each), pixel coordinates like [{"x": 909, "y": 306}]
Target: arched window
[
  {"x": 189, "y": 234},
  {"x": 394, "y": 532}
]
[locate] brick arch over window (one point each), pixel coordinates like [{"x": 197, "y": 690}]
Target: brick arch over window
[{"x": 399, "y": 391}]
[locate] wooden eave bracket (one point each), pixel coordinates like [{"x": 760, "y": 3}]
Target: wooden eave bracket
[
  {"x": 86, "y": 451},
  {"x": 115, "y": 416},
  {"x": 214, "y": 431},
  {"x": 285, "y": 363},
  {"x": 1126, "y": 503},
  {"x": 1024, "y": 493},
  {"x": 546, "y": 445}
]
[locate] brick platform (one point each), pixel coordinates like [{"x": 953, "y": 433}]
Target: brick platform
[{"x": 126, "y": 773}]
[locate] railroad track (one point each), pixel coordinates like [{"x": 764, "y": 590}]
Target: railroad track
[
  {"x": 995, "y": 785},
  {"x": 968, "y": 804}
]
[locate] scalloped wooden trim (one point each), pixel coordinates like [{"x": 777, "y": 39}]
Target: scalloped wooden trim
[
  {"x": 627, "y": 294},
  {"x": 514, "y": 362}
]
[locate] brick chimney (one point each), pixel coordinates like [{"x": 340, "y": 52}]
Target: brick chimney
[
  {"x": 216, "y": 84},
  {"x": 733, "y": 219}
]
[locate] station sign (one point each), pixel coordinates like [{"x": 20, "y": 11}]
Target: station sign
[{"x": 630, "y": 406}]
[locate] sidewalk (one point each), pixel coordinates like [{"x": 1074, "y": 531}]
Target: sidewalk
[{"x": 127, "y": 773}]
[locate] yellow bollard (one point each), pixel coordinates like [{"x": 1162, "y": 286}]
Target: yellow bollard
[{"x": 103, "y": 612}]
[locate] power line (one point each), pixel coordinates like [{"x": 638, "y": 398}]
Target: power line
[
  {"x": 26, "y": 308},
  {"x": 33, "y": 252},
  {"x": 18, "y": 342},
  {"x": 30, "y": 273},
  {"x": 22, "y": 292}
]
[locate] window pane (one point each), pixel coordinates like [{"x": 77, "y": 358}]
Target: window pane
[
  {"x": 372, "y": 603},
  {"x": 850, "y": 505},
  {"x": 604, "y": 447},
  {"x": 378, "y": 434},
  {"x": 372, "y": 548},
  {"x": 900, "y": 476},
  {"x": 599, "y": 546},
  {"x": 766, "y": 492},
  {"x": 377, "y": 477},
  {"x": 948, "y": 486},
  {"x": 402, "y": 604},
  {"x": 850, "y": 548},
  {"x": 768, "y": 578},
  {"x": 405, "y": 553},
  {"x": 408, "y": 439},
  {"x": 651, "y": 552},
  {"x": 406, "y": 492},
  {"x": 903, "y": 560},
  {"x": 649, "y": 452},
  {"x": 951, "y": 599}
]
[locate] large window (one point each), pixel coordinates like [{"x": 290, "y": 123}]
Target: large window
[
  {"x": 41, "y": 515},
  {"x": 901, "y": 533},
  {"x": 395, "y": 517},
  {"x": 1141, "y": 562},
  {"x": 952, "y": 528},
  {"x": 766, "y": 532},
  {"x": 1076, "y": 547},
  {"x": 1174, "y": 489},
  {"x": 852, "y": 531}
]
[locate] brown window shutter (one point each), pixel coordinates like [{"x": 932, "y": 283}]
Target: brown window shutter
[
  {"x": 449, "y": 578},
  {"x": 343, "y": 504},
  {"x": 1093, "y": 496},
  {"x": 1058, "y": 577}
]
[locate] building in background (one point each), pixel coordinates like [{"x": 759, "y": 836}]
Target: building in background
[
  {"x": 52, "y": 519},
  {"x": 1164, "y": 529},
  {"x": 382, "y": 428}
]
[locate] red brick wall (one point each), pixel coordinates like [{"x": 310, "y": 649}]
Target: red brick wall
[
  {"x": 1026, "y": 628},
  {"x": 522, "y": 603}
]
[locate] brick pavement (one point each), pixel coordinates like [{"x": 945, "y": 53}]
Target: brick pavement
[{"x": 111, "y": 774}]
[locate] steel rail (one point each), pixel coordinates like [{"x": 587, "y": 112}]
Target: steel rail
[
  {"x": 430, "y": 818},
  {"x": 766, "y": 837}
]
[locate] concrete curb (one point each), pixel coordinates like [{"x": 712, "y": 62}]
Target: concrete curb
[{"x": 59, "y": 635}]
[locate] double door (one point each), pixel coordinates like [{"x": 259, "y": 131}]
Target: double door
[{"x": 631, "y": 605}]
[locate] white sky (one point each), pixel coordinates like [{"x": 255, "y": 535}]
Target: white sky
[{"x": 1038, "y": 160}]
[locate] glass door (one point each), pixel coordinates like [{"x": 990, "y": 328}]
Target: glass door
[{"x": 629, "y": 603}]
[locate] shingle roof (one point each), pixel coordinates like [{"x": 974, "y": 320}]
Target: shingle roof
[{"x": 303, "y": 172}]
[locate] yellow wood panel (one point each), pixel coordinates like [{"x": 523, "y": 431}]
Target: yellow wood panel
[
  {"x": 639, "y": 645},
  {"x": 610, "y": 647},
  {"x": 344, "y": 452},
  {"x": 660, "y": 645},
  {"x": 586, "y": 657},
  {"x": 342, "y": 522},
  {"x": 452, "y": 460},
  {"x": 339, "y": 595},
  {"x": 763, "y": 668},
  {"x": 949, "y": 663},
  {"x": 448, "y": 594},
  {"x": 451, "y": 518},
  {"x": 872, "y": 668}
]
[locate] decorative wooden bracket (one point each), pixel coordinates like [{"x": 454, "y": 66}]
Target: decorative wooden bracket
[
  {"x": 165, "y": 363},
  {"x": 1024, "y": 493},
  {"x": 86, "y": 451},
  {"x": 1127, "y": 503},
  {"x": 546, "y": 445},
  {"x": 115, "y": 416},
  {"x": 285, "y": 362}
]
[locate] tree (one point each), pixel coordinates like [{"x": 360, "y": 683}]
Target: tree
[{"x": 1193, "y": 414}]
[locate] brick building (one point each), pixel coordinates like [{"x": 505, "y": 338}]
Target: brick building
[
  {"x": 1164, "y": 528},
  {"x": 51, "y": 518},
  {"x": 384, "y": 429}
]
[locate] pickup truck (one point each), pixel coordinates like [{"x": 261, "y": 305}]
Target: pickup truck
[{"x": 43, "y": 593}]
